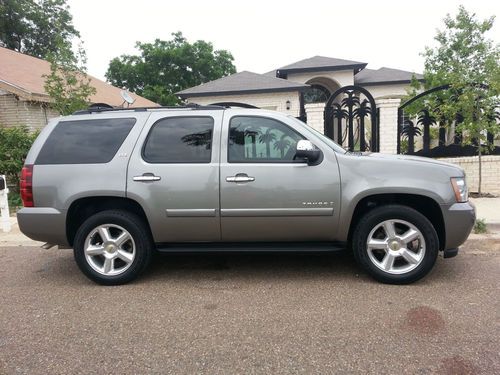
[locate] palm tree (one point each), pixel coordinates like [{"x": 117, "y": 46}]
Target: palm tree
[
  {"x": 426, "y": 119},
  {"x": 203, "y": 138},
  {"x": 350, "y": 102},
  {"x": 251, "y": 132},
  {"x": 339, "y": 114},
  {"x": 267, "y": 137},
  {"x": 283, "y": 144},
  {"x": 409, "y": 131},
  {"x": 361, "y": 112}
]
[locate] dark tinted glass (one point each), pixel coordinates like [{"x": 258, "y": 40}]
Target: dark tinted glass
[
  {"x": 85, "y": 141},
  {"x": 261, "y": 140},
  {"x": 180, "y": 140}
]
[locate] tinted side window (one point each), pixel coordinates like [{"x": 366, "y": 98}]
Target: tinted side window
[
  {"x": 261, "y": 140},
  {"x": 85, "y": 141},
  {"x": 180, "y": 140}
]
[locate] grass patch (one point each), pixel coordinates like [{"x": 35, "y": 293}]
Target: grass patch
[{"x": 480, "y": 226}]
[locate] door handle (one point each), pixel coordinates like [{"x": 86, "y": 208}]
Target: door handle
[
  {"x": 240, "y": 177},
  {"x": 147, "y": 177}
]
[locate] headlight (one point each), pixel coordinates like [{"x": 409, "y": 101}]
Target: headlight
[{"x": 460, "y": 189}]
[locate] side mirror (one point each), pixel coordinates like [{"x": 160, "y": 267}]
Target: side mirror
[
  {"x": 308, "y": 151},
  {"x": 3, "y": 184}
]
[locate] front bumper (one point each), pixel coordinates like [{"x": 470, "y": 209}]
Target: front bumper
[
  {"x": 459, "y": 219},
  {"x": 43, "y": 224}
]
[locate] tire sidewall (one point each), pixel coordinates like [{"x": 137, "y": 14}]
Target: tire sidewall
[
  {"x": 134, "y": 225},
  {"x": 395, "y": 212}
]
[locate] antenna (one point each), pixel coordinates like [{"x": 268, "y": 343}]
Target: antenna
[{"x": 126, "y": 98}]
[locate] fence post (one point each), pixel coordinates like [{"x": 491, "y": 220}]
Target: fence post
[{"x": 4, "y": 205}]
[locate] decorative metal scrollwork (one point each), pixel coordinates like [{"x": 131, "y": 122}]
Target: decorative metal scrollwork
[{"x": 345, "y": 119}]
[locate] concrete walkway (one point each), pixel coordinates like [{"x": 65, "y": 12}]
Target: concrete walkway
[{"x": 486, "y": 208}]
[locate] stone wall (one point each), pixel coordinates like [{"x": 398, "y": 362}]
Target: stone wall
[
  {"x": 15, "y": 112},
  {"x": 490, "y": 172},
  {"x": 388, "y": 124},
  {"x": 272, "y": 100},
  {"x": 315, "y": 115}
]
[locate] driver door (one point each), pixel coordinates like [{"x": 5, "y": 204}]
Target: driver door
[{"x": 266, "y": 195}]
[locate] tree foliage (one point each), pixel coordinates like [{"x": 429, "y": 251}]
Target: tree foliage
[
  {"x": 68, "y": 84},
  {"x": 36, "y": 27},
  {"x": 166, "y": 66},
  {"x": 468, "y": 61},
  {"x": 15, "y": 142}
]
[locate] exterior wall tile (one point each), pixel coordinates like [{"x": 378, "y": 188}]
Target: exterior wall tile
[
  {"x": 490, "y": 172},
  {"x": 15, "y": 112}
]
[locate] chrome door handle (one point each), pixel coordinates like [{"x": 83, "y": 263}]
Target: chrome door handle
[
  {"x": 147, "y": 177},
  {"x": 240, "y": 177}
]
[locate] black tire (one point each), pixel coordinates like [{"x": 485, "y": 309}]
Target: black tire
[
  {"x": 395, "y": 212},
  {"x": 141, "y": 237}
]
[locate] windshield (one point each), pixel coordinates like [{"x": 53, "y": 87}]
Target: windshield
[{"x": 323, "y": 137}]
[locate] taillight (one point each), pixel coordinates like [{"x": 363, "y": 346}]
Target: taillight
[{"x": 27, "y": 186}]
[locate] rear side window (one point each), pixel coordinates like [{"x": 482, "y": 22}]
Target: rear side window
[
  {"x": 180, "y": 140},
  {"x": 85, "y": 141}
]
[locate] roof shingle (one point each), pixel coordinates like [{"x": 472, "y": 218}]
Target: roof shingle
[
  {"x": 242, "y": 82},
  {"x": 23, "y": 75},
  {"x": 384, "y": 76},
  {"x": 322, "y": 63}
]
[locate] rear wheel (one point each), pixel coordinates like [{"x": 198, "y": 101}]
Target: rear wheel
[
  {"x": 112, "y": 247},
  {"x": 395, "y": 244}
]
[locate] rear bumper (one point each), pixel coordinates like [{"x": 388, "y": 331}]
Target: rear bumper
[
  {"x": 43, "y": 224},
  {"x": 459, "y": 220}
]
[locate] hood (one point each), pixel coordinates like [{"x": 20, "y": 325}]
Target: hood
[{"x": 410, "y": 158}]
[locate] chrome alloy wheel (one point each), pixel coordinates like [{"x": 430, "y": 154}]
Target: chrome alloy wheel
[
  {"x": 109, "y": 249},
  {"x": 396, "y": 246}
]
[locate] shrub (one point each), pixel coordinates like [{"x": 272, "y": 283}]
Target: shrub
[
  {"x": 480, "y": 226},
  {"x": 15, "y": 143}
]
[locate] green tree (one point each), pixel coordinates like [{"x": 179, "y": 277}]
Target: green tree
[
  {"x": 166, "y": 66},
  {"x": 68, "y": 84},
  {"x": 36, "y": 27},
  {"x": 468, "y": 61}
]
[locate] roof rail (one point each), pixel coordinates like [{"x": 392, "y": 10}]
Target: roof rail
[{"x": 103, "y": 109}]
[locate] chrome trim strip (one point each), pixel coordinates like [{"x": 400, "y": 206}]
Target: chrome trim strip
[
  {"x": 196, "y": 212},
  {"x": 253, "y": 212}
]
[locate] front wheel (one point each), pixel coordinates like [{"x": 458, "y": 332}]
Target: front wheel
[
  {"x": 112, "y": 247},
  {"x": 395, "y": 244}
]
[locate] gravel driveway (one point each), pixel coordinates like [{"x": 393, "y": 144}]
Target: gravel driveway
[{"x": 244, "y": 314}]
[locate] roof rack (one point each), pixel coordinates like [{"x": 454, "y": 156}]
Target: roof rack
[{"x": 105, "y": 109}]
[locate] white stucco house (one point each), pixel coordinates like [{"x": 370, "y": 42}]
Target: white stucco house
[{"x": 301, "y": 89}]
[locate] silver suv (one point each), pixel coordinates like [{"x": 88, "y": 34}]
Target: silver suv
[{"x": 118, "y": 185}]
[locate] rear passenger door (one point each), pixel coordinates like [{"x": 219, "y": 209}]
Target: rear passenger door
[{"x": 174, "y": 174}]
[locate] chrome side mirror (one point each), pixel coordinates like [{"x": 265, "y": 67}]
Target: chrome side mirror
[{"x": 308, "y": 151}]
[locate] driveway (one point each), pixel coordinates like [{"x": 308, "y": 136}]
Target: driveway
[{"x": 245, "y": 314}]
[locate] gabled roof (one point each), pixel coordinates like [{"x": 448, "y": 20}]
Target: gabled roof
[
  {"x": 321, "y": 63},
  {"x": 242, "y": 82},
  {"x": 384, "y": 76},
  {"x": 23, "y": 75}
]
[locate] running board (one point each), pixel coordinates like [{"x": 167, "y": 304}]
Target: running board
[{"x": 250, "y": 247}]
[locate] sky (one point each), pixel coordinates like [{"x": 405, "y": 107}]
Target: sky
[{"x": 265, "y": 35}]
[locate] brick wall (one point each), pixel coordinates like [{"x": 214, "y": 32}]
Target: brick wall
[
  {"x": 15, "y": 112},
  {"x": 490, "y": 172},
  {"x": 315, "y": 115},
  {"x": 388, "y": 124}
]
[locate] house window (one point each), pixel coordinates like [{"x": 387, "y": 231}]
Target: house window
[{"x": 316, "y": 94}]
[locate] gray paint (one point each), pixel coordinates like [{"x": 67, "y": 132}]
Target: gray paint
[{"x": 195, "y": 203}]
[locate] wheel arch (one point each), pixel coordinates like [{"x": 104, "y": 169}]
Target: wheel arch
[
  {"x": 421, "y": 203},
  {"x": 83, "y": 208}
]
